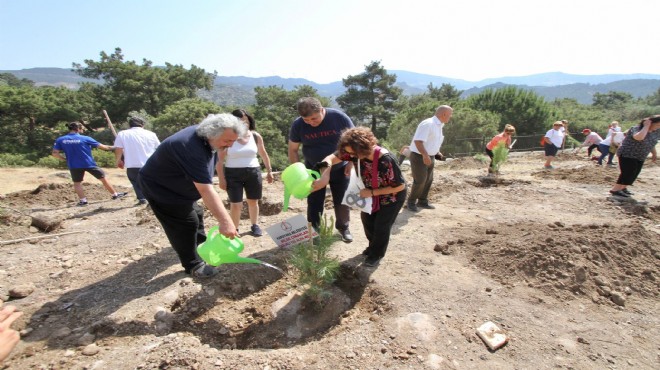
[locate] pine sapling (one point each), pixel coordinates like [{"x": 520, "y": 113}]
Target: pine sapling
[
  {"x": 317, "y": 270},
  {"x": 500, "y": 155}
]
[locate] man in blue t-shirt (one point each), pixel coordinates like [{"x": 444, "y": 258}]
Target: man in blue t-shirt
[
  {"x": 178, "y": 174},
  {"x": 318, "y": 129},
  {"x": 77, "y": 151}
]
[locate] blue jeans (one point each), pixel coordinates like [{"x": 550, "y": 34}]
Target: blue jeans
[
  {"x": 605, "y": 150},
  {"x": 132, "y": 174}
]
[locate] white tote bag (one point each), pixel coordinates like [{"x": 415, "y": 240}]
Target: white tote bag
[{"x": 352, "y": 195}]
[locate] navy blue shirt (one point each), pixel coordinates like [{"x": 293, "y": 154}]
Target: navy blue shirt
[
  {"x": 179, "y": 160},
  {"x": 321, "y": 141}
]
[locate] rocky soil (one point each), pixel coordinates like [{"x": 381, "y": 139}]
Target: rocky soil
[{"x": 569, "y": 274}]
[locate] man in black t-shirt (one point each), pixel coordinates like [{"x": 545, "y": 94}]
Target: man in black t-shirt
[
  {"x": 318, "y": 129},
  {"x": 178, "y": 174}
]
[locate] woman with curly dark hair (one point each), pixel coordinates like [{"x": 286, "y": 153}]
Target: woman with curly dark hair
[{"x": 382, "y": 181}]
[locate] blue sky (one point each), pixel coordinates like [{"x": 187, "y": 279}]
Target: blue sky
[{"x": 326, "y": 41}]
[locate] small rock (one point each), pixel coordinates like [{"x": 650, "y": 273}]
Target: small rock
[
  {"x": 580, "y": 274},
  {"x": 21, "y": 291},
  {"x": 618, "y": 298},
  {"x": 163, "y": 315},
  {"x": 600, "y": 281},
  {"x": 444, "y": 249},
  {"x": 86, "y": 339},
  {"x": 582, "y": 340},
  {"x": 60, "y": 333},
  {"x": 91, "y": 350}
]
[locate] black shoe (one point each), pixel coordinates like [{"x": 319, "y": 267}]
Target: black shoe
[
  {"x": 142, "y": 202},
  {"x": 627, "y": 191},
  {"x": 346, "y": 236},
  {"x": 204, "y": 271},
  {"x": 82, "y": 203},
  {"x": 256, "y": 230},
  {"x": 372, "y": 261},
  {"x": 425, "y": 206},
  {"x": 119, "y": 195},
  {"x": 619, "y": 193},
  {"x": 412, "y": 208}
]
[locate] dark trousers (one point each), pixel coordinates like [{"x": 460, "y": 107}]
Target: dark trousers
[
  {"x": 422, "y": 179},
  {"x": 316, "y": 201},
  {"x": 591, "y": 149},
  {"x": 378, "y": 226},
  {"x": 184, "y": 226},
  {"x": 490, "y": 155},
  {"x": 132, "y": 174},
  {"x": 630, "y": 169}
]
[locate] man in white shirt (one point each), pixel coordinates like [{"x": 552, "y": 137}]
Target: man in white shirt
[
  {"x": 424, "y": 146},
  {"x": 133, "y": 147}
]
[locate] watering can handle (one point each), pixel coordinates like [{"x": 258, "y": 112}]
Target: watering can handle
[
  {"x": 315, "y": 174},
  {"x": 213, "y": 230}
]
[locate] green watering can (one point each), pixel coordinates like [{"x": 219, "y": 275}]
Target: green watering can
[
  {"x": 218, "y": 249},
  {"x": 297, "y": 181}
]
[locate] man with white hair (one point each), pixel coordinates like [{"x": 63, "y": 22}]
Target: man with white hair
[{"x": 178, "y": 174}]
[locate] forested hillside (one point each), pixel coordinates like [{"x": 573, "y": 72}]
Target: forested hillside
[{"x": 33, "y": 113}]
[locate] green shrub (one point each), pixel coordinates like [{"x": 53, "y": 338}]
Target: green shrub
[
  {"x": 481, "y": 158},
  {"x": 51, "y": 162},
  {"x": 14, "y": 160},
  {"x": 104, "y": 159}
]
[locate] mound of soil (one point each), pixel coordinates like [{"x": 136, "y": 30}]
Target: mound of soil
[{"x": 569, "y": 273}]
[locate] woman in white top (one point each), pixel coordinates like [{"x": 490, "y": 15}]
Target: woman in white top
[
  {"x": 552, "y": 141},
  {"x": 239, "y": 169},
  {"x": 608, "y": 147}
]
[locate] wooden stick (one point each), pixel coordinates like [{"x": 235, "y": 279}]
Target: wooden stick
[
  {"x": 110, "y": 126},
  {"x": 3, "y": 242}
]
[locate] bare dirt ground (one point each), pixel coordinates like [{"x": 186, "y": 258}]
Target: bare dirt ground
[{"x": 569, "y": 273}]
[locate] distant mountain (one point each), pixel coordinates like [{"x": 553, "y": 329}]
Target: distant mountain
[
  {"x": 239, "y": 90},
  {"x": 582, "y": 92},
  {"x": 51, "y": 77},
  {"x": 421, "y": 81}
]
